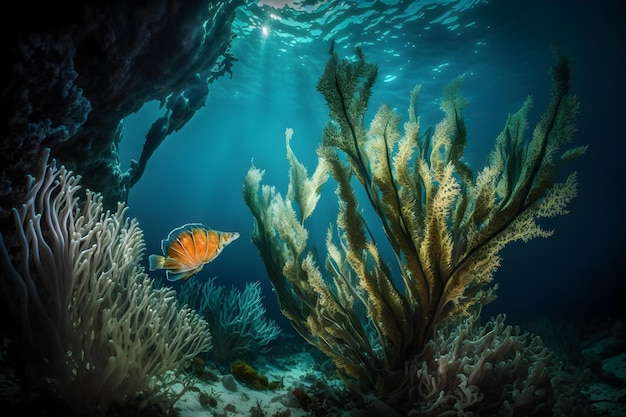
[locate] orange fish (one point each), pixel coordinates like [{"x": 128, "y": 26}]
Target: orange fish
[{"x": 188, "y": 248}]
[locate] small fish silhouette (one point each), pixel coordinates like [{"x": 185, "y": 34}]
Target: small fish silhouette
[{"x": 188, "y": 248}]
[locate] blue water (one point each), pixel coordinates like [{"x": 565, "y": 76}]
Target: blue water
[{"x": 502, "y": 47}]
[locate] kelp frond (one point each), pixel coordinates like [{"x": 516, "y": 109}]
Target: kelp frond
[{"x": 446, "y": 223}]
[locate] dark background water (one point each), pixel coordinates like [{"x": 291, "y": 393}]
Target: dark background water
[{"x": 502, "y": 47}]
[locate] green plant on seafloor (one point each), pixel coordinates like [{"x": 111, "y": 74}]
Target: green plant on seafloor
[
  {"x": 237, "y": 319},
  {"x": 446, "y": 225}
]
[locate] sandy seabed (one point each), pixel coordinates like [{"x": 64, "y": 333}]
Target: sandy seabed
[{"x": 227, "y": 397}]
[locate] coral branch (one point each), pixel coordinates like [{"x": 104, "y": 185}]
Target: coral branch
[{"x": 91, "y": 326}]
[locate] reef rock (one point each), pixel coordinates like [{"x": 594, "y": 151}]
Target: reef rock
[{"x": 73, "y": 71}]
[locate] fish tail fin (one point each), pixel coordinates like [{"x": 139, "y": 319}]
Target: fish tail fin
[{"x": 156, "y": 262}]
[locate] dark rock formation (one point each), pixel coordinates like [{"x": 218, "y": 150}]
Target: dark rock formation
[{"x": 74, "y": 70}]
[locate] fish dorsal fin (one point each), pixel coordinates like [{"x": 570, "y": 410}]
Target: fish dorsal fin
[{"x": 174, "y": 234}]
